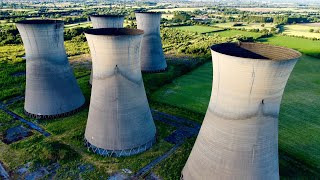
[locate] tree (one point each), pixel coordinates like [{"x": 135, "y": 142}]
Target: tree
[
  {"x": 181, "y": 17},
  {"x": 311, "y": 30}
]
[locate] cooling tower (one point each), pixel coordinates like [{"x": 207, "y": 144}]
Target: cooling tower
[
  {"x": 106, "y": 21},
  {"x": 119, "y": 121},
  {"x": 152, "y": 57},
  {"x": 239, "y": 135},
  {"x": 51, "y": 88}
]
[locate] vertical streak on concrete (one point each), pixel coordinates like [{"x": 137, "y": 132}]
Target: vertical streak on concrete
[
  {"x": 119, "y": 121},
  {"x": 239, "y": 137},
  {"x": 106, "y": 21},
  {"x": 51, "y": 88},
  {"x": 152, "y": 57}
]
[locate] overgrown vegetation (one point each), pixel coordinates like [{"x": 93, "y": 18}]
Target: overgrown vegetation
[{"x": 183, "y": 90}]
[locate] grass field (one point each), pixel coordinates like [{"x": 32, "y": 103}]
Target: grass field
[
  {"x": 167, "y": 16},
  {"x": 175, "y": 9},
  {"x": 231, "y": 33},
  {"x": 277, "y": 9},
  {"x": 301, "y": 30},
  {"x": 245, "y": 25},
  {"x": 65, "y": 145},
  {"x": 218, "y": 31},
  {"x": 198, "y": 29},
  {"x": 193, "y": 89},
  {"x": 305, "y": 46},
  {"x": 173, "y": 92},
  {"x": 300, "y": 114},
  {"x": 84, "y": 24}
]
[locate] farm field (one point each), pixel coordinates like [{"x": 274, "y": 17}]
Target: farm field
[
  {"x": 246, "y": 25},
  {"x": 198, "y": 29},
  {"x": 218, "y": 31},
  {"x": 175, "y": 9},
  {"x": 4, "y": 23},
  {"x": 301, "y": 30},
  {"x": 84, "y": 24},
  {"x": 299, "y": 115},
  {"x": 231, "y": 33},
  {"x": 167, "y": 16},
  {"x": 291, "y": 9},
  {"x": 306, "y": 46}
]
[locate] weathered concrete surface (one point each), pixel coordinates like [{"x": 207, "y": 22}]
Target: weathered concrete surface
[
  {"x": 239, "y": 135},
  {"x": 16, "y": 116},
  {"x": 152, "y": 57},
  {"x": 106, "y": 21},
  {"x": 41, "y": 172},
  {"x": 16, "y": 133},
  {"x": 3, "y": 173},
  {"x": 51, "y": 88},
  {"x": 119, "y": 120},
  {"x": 142, "y": 172}
]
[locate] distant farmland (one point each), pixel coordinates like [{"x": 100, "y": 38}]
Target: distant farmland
[
  {"x": 277, "y": 9},
  {"x": 84, "y": 24},
  {"x": 246, "y": 25},
  {"x": 302, "y": 30},
  {"x": 305, "y": 46},
  {"x": 218, "y": 31},
  {"x": 198, "y": 29},
  {"x": 175, "y": 9},
  {"x": 230, "y": 33}
]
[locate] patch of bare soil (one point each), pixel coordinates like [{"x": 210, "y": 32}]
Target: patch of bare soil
[{"x": 81, "y": 61}]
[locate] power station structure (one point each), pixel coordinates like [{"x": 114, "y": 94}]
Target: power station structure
[
  {"x": 152, "y": 56},
  {"x": 239, "y": 135},
  {"x": 119, "y": 121},
  {"x": 51, "y": 88},
  {"x": 106, "y": 21}
]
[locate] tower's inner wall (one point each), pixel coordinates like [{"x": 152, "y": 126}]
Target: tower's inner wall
[{"x": 256, "y": 51}]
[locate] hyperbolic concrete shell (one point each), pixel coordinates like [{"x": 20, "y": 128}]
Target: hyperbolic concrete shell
[
  {"x": 119, "y": 121},
  {"x": 239, "y": 135},
  {"x": 51, "y": 88},
  {"x": 106, "y": 21},
  {"x": 152, "y": 57}
]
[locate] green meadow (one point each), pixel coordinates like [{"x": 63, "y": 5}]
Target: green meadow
[{"x": 198, "y": 29}]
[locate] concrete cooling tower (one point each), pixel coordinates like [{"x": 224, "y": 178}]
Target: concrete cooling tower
[
  {"x": 239, "y": 135},
  {"x": 119, "y": 121},
  {"x": 152, "y": 57},
  {"x": 51, "y": 88},
  {"x": 106, "y": 21}
]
